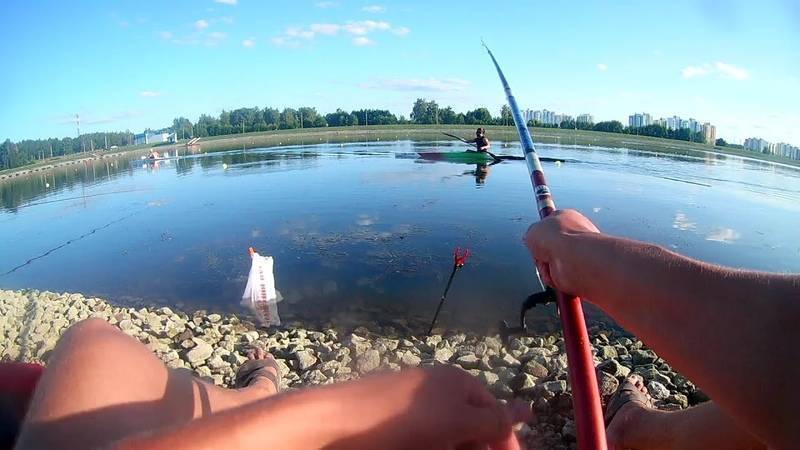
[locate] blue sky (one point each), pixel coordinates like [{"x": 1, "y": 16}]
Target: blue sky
[{"x": 131, "y": 65}]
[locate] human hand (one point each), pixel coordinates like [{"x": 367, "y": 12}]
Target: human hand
[
  {"x": 436, "y": 408},
  {"x": 551, "y": 242}
]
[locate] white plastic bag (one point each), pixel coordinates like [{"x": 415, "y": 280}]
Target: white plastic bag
[{"x": 260, "y": 294}]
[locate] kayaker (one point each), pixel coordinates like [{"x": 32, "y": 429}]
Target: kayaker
[
  {"x": 153, "y": 154},
  {"x": 481, "y": 141}
]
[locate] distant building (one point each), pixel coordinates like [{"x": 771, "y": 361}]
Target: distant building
[
  {"x": 756, "y": 144},
  {"x": 639, "y": 120},
  {"x": 153, "y": 138},
  {"x": 710, "y": 133},
  {"x": 585, "y": 119}
]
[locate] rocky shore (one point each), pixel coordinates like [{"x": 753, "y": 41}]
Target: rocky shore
[{"x": 533, "y": 368}]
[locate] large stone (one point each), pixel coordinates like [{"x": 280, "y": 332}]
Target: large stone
[
  {"x": 305, "y": 359},
  {"x": 368, "y": 361},
  {"x": 442, "y": 354},
  {"x": 493, "y": 343},
  {"x": 612, "y": 367},
  {"x": 535, "y": 368},
  {"x": 214, "y": 318},
  {"x": 199, "y": 353},
  {"x": 523, "y": 383},
  {"x": 489, "y": 378},
  {"x": 657, "y": 390},
  {"x": 607, "y": 383},
  {"x": 216, "y": 362},
  {"x": 679, "y": 399},
  {"x": 606, "y": 352},
  {"x": 356, "y": 343},
  {"x": 469, "y": 361},
  {"x": 506, "y": 360},
  {"x": 126, "y": 324},
  {"x": 556, "y": 386},
  {"x": 641, "y": 357},
  {"x": 410, "y": 359}
]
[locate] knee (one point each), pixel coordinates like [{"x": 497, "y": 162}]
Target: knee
[{"x": 88, "y": 330}]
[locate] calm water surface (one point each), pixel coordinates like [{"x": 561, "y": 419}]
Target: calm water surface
[{"x": 362, "y": 232}]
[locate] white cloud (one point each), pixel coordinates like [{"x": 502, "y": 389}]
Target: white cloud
[
  {"x": 718, "y": 68},
  {"x": 227, "y": 2},
  {"x": 374, "y": 9},
  {"x": 215, "y": 38},
  {"x": 363, "y": 27},
  {"x": 361, "y": 41},
  {"x": 731, "y": 71},
  {"x": 357, "y": 29},
  {"x": 325, "y": 28},
  {"x": 326, "y": 4},
  {"x": 249, "y": 43},
  {"x": 165, "y": 35},
  {"x": 401, "y": 31},
  {"x": 150, "y": 94},
  {"x": 201, "y": 24},
  {"x": 418, "y": 84},
  {"x": 602, "y": 67}
]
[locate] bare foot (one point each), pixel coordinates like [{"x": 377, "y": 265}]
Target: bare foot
[
  {"x": 260, "y": 372},
  {"x": 628, "y": 410}
]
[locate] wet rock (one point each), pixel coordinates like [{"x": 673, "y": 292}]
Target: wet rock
[{"x": 368, "y": 361}]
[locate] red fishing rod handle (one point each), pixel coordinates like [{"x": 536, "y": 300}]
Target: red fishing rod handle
[{"x": 589, "y": 422}]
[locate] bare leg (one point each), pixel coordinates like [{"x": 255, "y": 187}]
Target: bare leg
[
  {"x": 101, "y": 385},
  {"x": 705, "y": 426}
]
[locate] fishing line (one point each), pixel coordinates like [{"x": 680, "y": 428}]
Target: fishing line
[{"x": 28, "y": 262}]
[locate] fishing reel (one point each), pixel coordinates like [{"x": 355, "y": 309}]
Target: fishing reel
[{"x": 539, "y": 298}]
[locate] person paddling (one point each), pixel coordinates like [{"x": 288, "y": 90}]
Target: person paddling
[{"x": 481, "y": 141}]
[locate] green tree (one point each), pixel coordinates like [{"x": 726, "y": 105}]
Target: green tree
[
  {"x": 425, "y": 112},
  {"x": 479, "y": 116},
  {"x": 720, "y": 142},
  {"x": 506, "y": 118},
  {"x": 289, "y": 119},
  {"x": 612, "y": 126}
]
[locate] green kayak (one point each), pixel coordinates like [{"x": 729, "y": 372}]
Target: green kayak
[{"x": 457, "y": 157}]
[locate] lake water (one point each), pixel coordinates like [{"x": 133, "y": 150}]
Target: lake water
[{"x": 365, "y": 232}]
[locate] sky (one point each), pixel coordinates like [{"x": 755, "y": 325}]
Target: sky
[{"x": 132, "y": 65}]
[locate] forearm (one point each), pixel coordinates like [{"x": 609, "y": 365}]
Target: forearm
[
  {"x": 300, "y": 420},
  {"x": 711, "y": 323}
]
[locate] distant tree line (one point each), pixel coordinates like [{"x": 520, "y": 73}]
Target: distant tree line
[
  {"x": 247, "y": 120},
  {"x": 27, "y": 151}
]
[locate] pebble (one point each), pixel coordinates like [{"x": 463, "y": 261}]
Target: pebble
[{"x": 200, "y": 352}]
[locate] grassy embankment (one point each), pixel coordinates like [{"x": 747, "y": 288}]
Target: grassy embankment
[{"x": 374, "y": 133}]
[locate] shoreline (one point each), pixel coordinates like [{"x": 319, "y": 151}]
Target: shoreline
[
  {"x": 533, "y": 368},
  {"x": 395, "y": 132}
]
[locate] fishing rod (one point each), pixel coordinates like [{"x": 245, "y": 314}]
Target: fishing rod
[{"x": 585, "y": 394}]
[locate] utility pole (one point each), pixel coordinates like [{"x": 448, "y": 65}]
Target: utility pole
[
  {"x": 106, "y": 137},
  {"x": 366, "y": 119}
]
